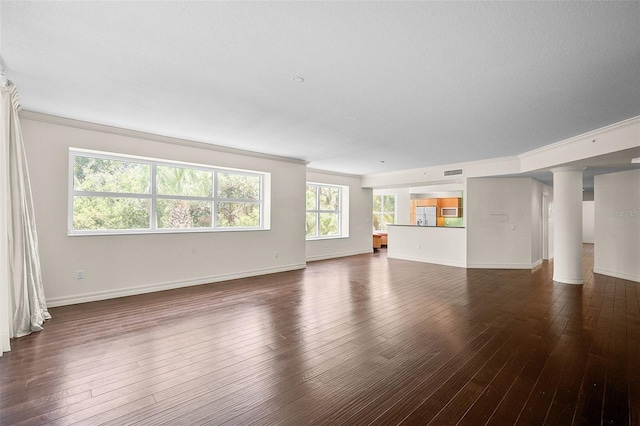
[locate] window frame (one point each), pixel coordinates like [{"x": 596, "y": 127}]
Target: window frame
[
  {"x": 263, "y": 200},
  {"x": 342, "y": 211},
  {"x": 382, "y": 212}
]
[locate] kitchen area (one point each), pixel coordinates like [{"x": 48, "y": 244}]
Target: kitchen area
[
  {"x": 436, "y": 209},
  {"x": 430, "y": 228}
]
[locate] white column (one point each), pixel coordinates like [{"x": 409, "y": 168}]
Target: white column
[{"x": 567, "y": 235}]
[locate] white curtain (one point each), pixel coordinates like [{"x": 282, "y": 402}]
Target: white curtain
[
  {"x": 27, "y": 304},
  {"x": 6, "y": 323}
]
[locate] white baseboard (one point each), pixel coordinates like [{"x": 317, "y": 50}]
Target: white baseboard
[
  {"x": 336, "y": 255},
  {"x": 427, "y": 260},
  {"x": 570, "y": 281},
  {"x": 150, "y": 288},
  {"x": 4, "y": 340},
  {"x": 628, "y": 277},
  {"x": 504, "y": 265}
]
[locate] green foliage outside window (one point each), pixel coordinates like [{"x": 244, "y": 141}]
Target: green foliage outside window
[
  {"x": 234, "y": 186},
  {"x": 110, "y": 194},
  {"x": 312, "y": 191},
  {"x": 323, "y": 211},
  {"x": 100, "y": 175},
  {"x": 238, "y": 215},
  {"x": 115, "y": 177},
  {"x": 384, "y": 211},
  {"x": 311, "y": 222},
  {"x": 92, "y": 213},
  {"x": 181, "y": 214},
  {"x": 238, "y": 186},
  {"x": 185, "y": 182},
  {"x": 329, "y": 224}
]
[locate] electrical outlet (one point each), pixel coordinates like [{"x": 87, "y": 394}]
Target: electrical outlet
[
  {"x": 275, "y": 254},
  {"x": 419, "y": 246},
  {"x": 80, "y": 274}
]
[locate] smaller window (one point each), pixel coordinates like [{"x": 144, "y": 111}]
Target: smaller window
[
  {"x": 325, "y": 216},
  {"x": 384, "y": 211}
]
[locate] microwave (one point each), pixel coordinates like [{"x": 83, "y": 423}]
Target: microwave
[{"x": 449, "y": 211}]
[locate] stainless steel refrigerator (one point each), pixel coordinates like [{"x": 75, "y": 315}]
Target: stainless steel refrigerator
[{"x": 426, "y": 216}]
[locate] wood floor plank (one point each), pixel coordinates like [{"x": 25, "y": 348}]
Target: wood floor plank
[{"x": 356, "y": 340}]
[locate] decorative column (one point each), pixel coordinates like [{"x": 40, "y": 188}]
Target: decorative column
[{"x": 567, "y": 233}]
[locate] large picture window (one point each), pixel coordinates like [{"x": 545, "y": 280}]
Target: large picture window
[
  {"x": 384, "y": 211},
  {"x": 324, "y": 216},
  {"x": 118, "y": 194}
]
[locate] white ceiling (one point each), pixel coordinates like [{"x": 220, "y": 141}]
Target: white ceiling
[{"x": 413, "y": 84}]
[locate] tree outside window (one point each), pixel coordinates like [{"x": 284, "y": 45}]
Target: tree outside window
[
  {"x": 323, "y": 216},
  {"x": 384, "y": 211},
  {"x": 123, "y": 194}
]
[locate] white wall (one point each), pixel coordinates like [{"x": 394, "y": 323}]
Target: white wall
[
  {"x": 588, "y": 222},
  {"x": 548, "y": 206},
  {"x": 537, "y": 229},
  {"x": 360, "y": 216},
  {"x": 130, "y": 264},
  {"x": 500, "y": 223},
  {"x": 439, "y": 245},
  {"x": 617, "y": 225}
]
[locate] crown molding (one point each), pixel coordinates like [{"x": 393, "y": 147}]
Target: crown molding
[
  {"x": 521, "y": 163},
  {"x": 567, "y": 169},
  {"x": 589, "y": 134},
  {"x": 86, "y": 125},
  {"x": 328, "y": 172},
  {"x": 593, "y": 134}
]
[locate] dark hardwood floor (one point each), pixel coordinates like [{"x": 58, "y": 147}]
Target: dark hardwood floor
[{"x": 354, "y": 341}]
